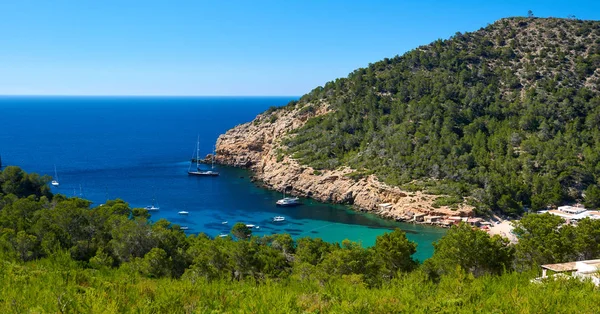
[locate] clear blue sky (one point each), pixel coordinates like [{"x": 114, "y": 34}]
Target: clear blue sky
[{"x": 230, "y": 47}]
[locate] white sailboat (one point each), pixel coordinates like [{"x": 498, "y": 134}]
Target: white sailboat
[
  {"x": 55, "y": 181},
  {"x": 197, "y": 171},
  {"x": 152, "y": 208},
  {"x": 288, "y": 201}
]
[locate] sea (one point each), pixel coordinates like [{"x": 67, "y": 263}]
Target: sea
[{"x": 139, "y": 149}]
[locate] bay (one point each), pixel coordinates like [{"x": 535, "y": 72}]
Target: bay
[{"x": 138, "y": 149}]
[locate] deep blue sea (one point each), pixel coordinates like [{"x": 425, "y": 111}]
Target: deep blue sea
[{"x": 139, "y": 149}]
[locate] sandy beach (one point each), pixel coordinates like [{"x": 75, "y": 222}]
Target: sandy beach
[{"x": 503, "y": 228}]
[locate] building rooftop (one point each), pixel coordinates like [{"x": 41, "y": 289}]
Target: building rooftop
[
  {"x": 561, "y": 267},
  {"x": 561, "y": 214},
  {"x": 571, "y": 209},
  {"x": 570, "y": 266}
]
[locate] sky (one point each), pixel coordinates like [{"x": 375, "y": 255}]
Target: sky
[{"x": 217, "y": 48}]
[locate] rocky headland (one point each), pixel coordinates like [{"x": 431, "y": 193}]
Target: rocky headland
[{"x": 257, "y": 145}]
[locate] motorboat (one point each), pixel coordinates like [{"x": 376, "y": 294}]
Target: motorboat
[
  {"x": 184, "y": 227},
  {"x": 224, "y": 222},
  {"x": 278, "y": 218},
  {"x": 183, "y": 212}
]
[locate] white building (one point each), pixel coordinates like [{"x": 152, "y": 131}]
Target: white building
[
  {"x": 573, "y": 213},
  {"x": 574, "y": 210},
  {"x": 584, "y": 270}
]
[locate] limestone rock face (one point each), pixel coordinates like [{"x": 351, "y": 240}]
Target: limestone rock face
[{"x": 257, "y": 145}]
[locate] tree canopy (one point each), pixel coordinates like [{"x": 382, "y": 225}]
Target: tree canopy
[
  {"x": 503, "y": 118},
  {"x": 59, "y": 254}
]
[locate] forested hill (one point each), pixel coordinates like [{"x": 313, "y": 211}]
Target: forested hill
[{"x": 502, "y": 118}]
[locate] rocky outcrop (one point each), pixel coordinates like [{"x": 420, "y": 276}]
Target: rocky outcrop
[{"x": 257, "y": 145}]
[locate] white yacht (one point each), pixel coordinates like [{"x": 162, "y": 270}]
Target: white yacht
[
  {"x": 288, "y": 201},
  {"x": 183, "y": 212}
]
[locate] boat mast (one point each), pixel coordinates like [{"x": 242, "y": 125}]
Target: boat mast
[
  {"x": 198, "y": 153},
  {"x": 212, "y": 162}
]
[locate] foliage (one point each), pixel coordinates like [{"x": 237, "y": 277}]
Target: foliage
[
  {"x": 592, "y": 197},
  {"x": 59, "y": 255},
  {"x": 54, "y": 285},
  {"x": 543, "y": 239},
  {"x": 505, "y": 117},
  {"x": 472, "y": 250},
  {"x": 241, "y": 231}
]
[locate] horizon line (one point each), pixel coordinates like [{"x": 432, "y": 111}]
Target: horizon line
[{"x": 123, "y": 95}]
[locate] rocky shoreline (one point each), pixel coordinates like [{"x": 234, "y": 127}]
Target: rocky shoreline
[{"x": 256, "y": 145}]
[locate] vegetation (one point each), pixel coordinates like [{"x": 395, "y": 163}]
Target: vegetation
[
  {"x": 505, "y": 117},
  {"x": 59, "y": 255}
]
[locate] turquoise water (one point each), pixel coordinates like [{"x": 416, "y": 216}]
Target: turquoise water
[{"x": 138, "y": 149}]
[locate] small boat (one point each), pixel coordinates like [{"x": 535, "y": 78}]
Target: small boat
[
  {"x": 222, "y": 235},
  {"x": 250, "y": 226},
  {"x": 183, "y": 212},
  {"x": 278, "y": 218},
  {"x": 199, "y": 172},
  {"x": 184, "y": 227},
  {"x": 224, "y": 223},
  {"x": 288, "y": 201},
  {"x": 55, "y": 181},
  {"x": 153, "y": 207}
]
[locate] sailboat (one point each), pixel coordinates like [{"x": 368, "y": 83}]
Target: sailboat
[
  {"x": 197, "y": 171},
  {"x": 288, "y": 201},
  {"x": 55, "y": 181},
  {"x": 153, "y": 207}
]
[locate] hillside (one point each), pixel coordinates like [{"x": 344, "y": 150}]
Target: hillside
[{"x": 498, "y": 119}]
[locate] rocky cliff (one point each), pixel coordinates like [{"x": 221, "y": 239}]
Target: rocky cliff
[{"x": 257, "y": 145}]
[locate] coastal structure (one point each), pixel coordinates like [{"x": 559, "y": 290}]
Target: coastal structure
[
  {"x": 583, "y": 270},
  {"x": 573, "y": 213}
]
